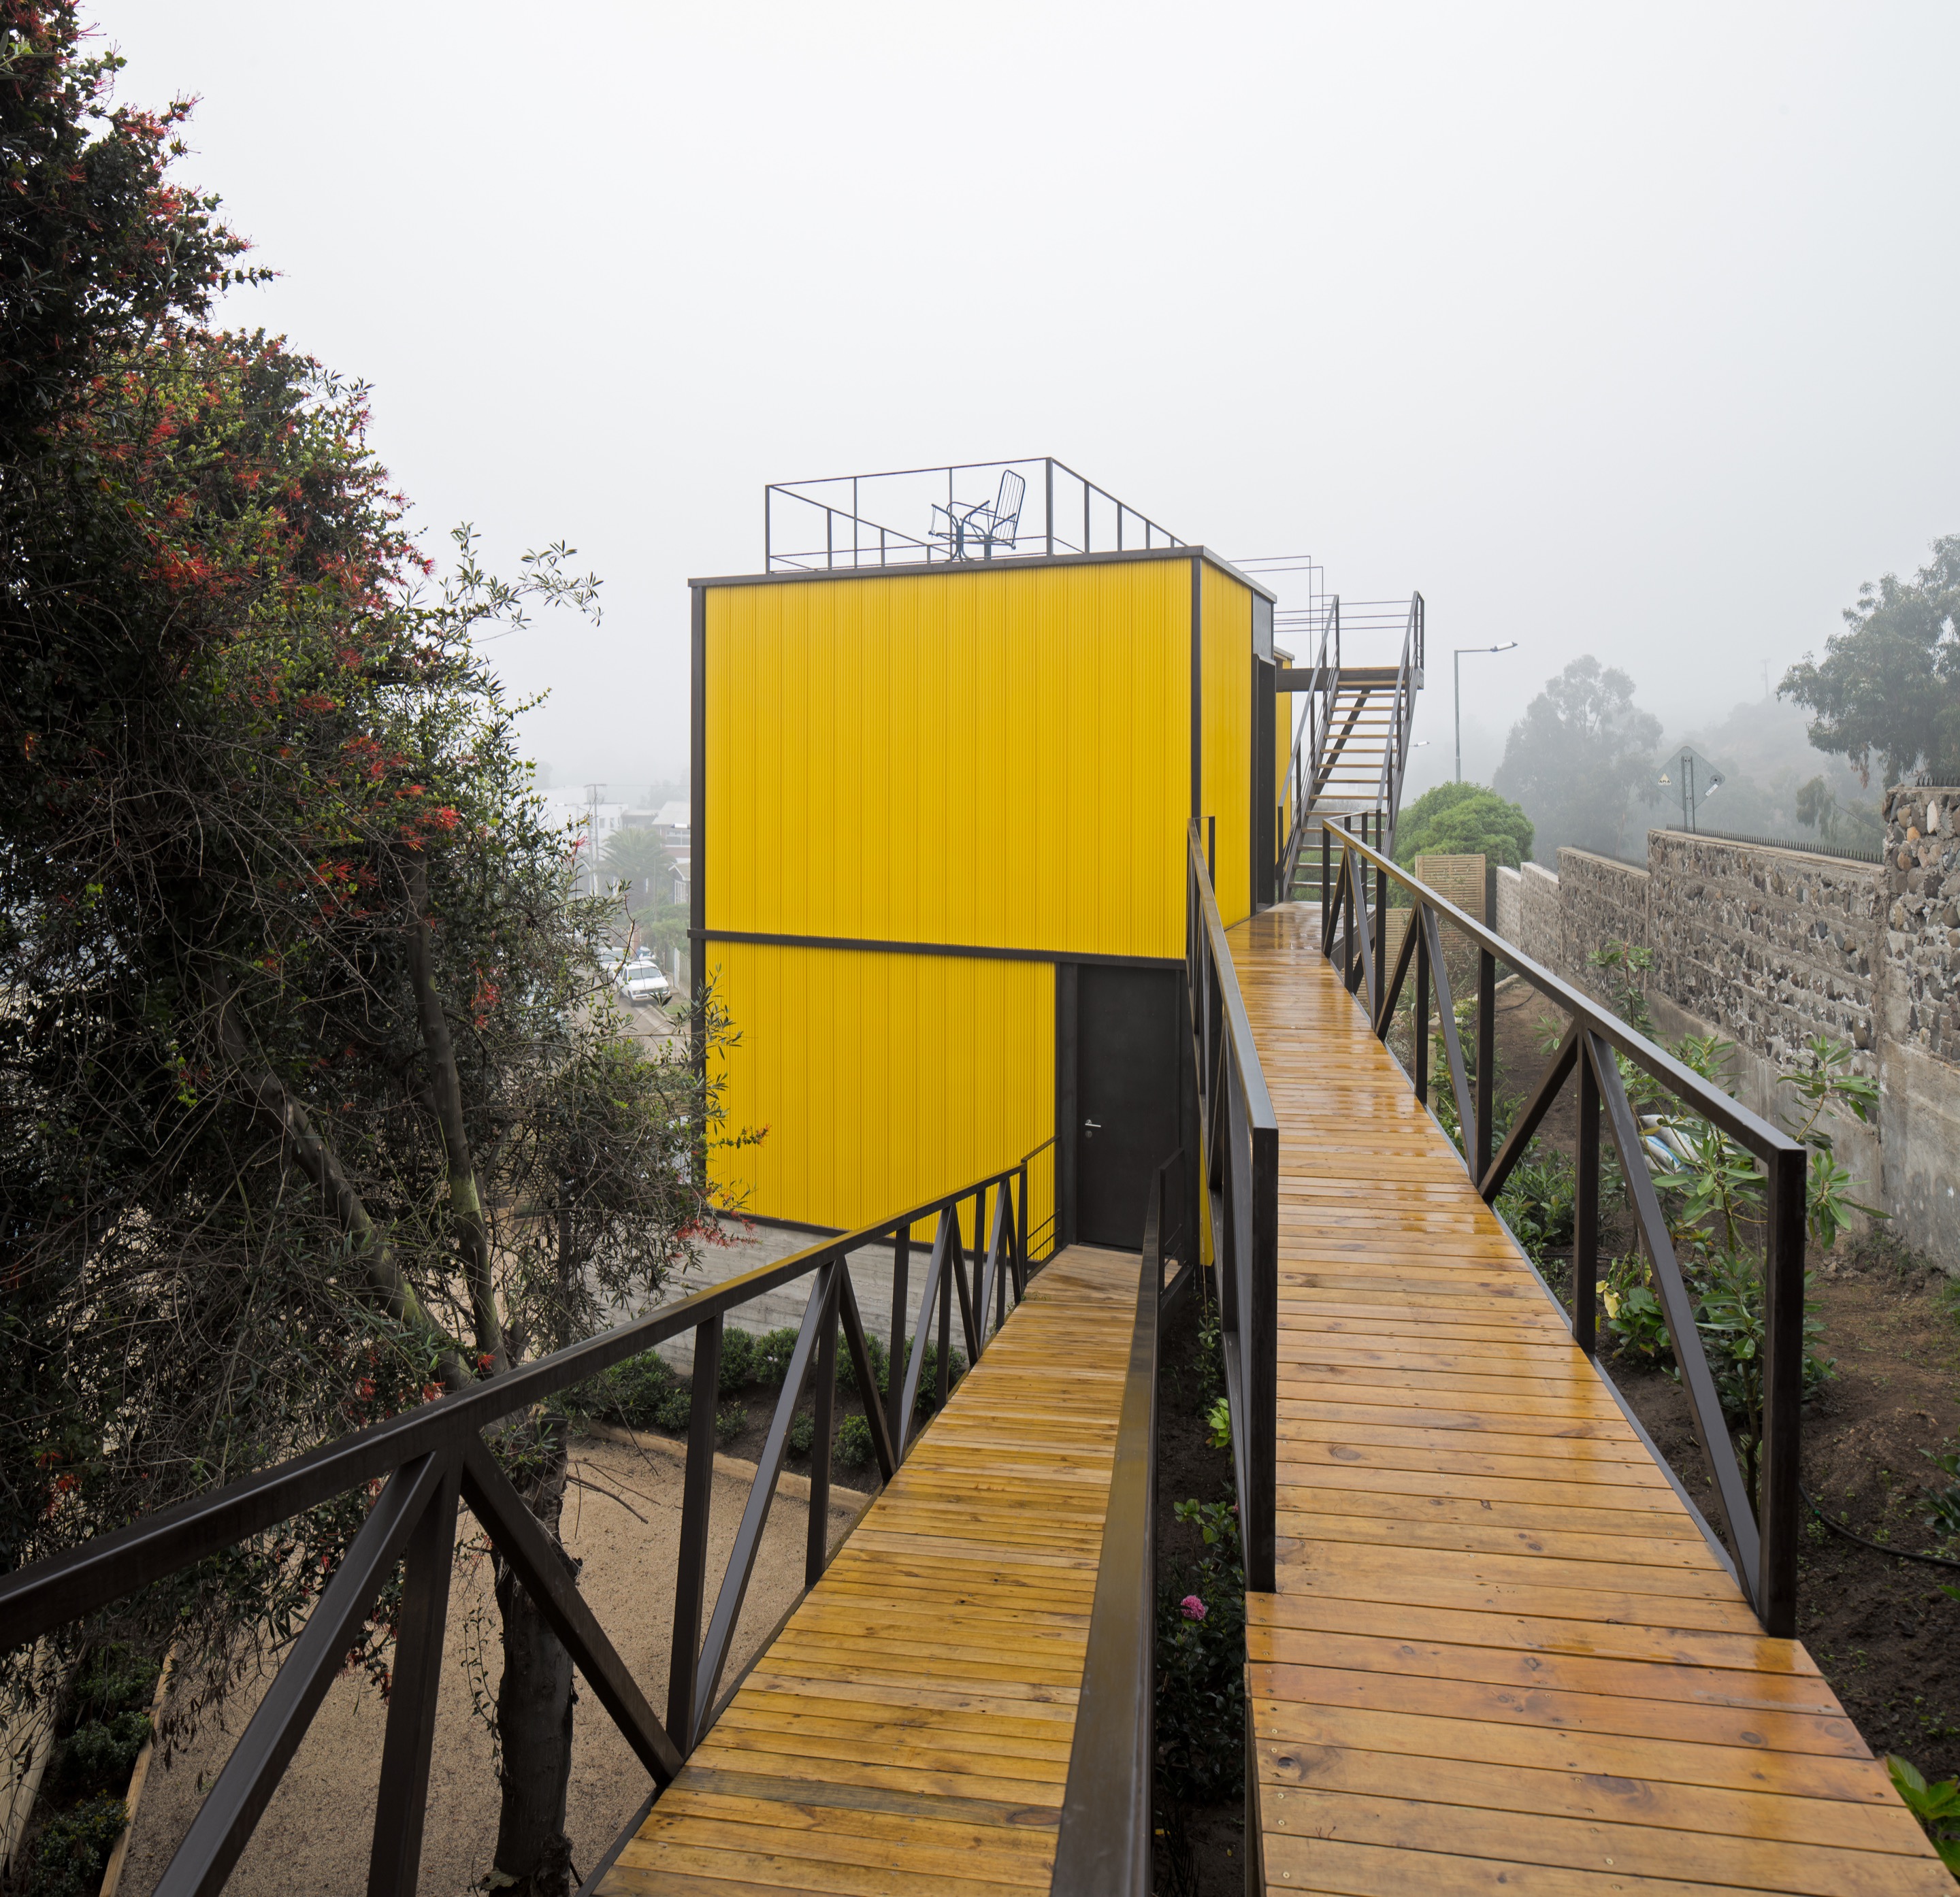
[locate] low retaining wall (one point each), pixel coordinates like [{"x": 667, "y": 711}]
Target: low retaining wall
[{"x": 1768, "y": 947}]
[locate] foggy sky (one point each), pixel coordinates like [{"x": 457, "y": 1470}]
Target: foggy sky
[{"x": 1619, "y": 330}]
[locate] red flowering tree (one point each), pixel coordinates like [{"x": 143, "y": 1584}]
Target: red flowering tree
[{"x": 313, "y": 1100}]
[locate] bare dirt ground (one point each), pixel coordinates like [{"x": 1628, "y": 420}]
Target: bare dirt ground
[{"x": 622, "y": 1522}]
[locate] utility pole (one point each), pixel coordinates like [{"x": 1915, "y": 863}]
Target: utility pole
[{"x": 1509, "y": 645}]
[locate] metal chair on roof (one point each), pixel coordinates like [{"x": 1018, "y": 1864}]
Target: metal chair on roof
[{"x": 972, "y": 529}]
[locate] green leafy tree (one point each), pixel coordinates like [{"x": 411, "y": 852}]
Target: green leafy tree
[
  {"x": 637, "y": 859},
  {"x": 1463, "y": 820},
  {"x": 1887, "y": 688},
  {"x": 314, "y": 1102},
  {"x": 1578, "y": 757}
]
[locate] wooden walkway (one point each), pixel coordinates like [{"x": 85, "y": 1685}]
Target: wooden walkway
[
  {"x": 1502, "y": 1656},
  {"x": 909, "y": 1729}
]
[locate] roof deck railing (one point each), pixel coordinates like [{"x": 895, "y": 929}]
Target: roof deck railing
[{"x": 914, "y": 517}]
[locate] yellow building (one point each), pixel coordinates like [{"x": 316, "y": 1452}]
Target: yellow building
[{"x": 939, "y": 814}]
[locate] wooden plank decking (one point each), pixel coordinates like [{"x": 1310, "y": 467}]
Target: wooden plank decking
[
  {"x": 1502, "y": 1656},
  {"x": 909, "y": 1730}
]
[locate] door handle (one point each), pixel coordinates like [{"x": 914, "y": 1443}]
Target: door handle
[{"x": 1091, "y": 1127}]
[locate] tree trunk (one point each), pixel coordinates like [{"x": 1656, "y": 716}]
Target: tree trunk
[{"x": 534, "y": 1707}]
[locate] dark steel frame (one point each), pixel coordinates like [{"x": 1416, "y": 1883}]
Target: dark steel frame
[
  {"x": 1239, "y": 1158},
  {"x": 1354, "y": 936},
  {"x": 1318, "y": 744},
  {"x": 852, "y": 539},
  {"x": 431, "y": 1459}
]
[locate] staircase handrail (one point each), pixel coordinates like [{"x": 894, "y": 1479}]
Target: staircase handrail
[{"x": 1395, "y": 757}]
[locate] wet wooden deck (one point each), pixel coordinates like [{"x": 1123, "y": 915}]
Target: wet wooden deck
[
  {"x": 909, "y": 1729},
  {"x": 1502, "y": 1656}
]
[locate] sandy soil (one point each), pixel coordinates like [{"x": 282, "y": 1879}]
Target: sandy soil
[{"x": 623, "y": 1523}]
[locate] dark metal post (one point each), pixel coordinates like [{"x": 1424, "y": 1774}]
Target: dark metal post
[
  {"x": 1211, "y": 853},
  {"x": 1778, "y": 1501},
  {"x": 1382, "y": 926},
  {"x": 1486, "y": 1056},
  {"x": 894, "y": 1375},
  {"x": 942, "y": 1381},
  {"x": 1048, "y": 512},
  {"x": 1021, "y": 1239},
  {"x": 1586, "y": 1216},
  {"x": 1419, "y": 1047},
  {"x": 1259, "y": 1358},
  {"x": 817, "y": 1543},
  {"x": 1326, "y": 871},
  {"x": 394, "y": 1863},
  {"x": 980, "y": 1265},
  {"x": 691, "y": 1575}
]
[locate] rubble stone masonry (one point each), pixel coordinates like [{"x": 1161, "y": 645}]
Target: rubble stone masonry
[{"x": 1769, "y": 946}]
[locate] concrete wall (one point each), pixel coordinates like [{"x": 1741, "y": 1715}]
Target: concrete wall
[{"x": 1768, "y": 948}]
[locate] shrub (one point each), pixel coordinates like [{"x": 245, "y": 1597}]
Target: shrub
[
  {"x": 881, "y": 1365},
  {"x": 1538, "y": 1202},
  {"x": 97, "y": 1756},
  {"x": 643, "y": 1392},
  {"x": 928, "y": 1390},
  {"x": 738, "y": 1360},
  {"x": 802, "y": 1432},
  {"x": 773, "y": 1351},
  {"x": 730, "y": 1421},
  {"x": 852, "y": 1447},
  {"x": 1936, "y": 1806},
  {"x": 1201, "y": 1652},
  {"x": 74, "y": 1847}
]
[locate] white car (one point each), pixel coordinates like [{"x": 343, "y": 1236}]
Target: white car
[{"x": 641, "y": 980}]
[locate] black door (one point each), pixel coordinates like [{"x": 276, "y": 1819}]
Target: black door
[{"x": 1126, "y": 1097}]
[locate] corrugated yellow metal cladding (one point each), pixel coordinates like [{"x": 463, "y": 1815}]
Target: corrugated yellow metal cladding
[
  {"x": 998, "y": 757},
  {"x": 1282, "y": 772},
  {"x": 881, "y": 1080},
  {"x": 1225, "y": 668}
]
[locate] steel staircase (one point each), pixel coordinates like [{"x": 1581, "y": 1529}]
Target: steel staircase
[{"x": 1350, "y": 749}]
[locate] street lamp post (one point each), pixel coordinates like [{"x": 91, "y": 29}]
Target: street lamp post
[{"x": 1457, "y": 667}]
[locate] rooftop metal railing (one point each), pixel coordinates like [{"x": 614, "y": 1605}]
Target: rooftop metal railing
[{"x": 904, "y": 516}]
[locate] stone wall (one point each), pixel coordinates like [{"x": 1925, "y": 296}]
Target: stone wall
[
  {"x": 1919, "y": 1018},
  {"x": 1528, "y": 913},
  {"x": 1768, "y": 948},
  {"x": 1601, "y": 899}
]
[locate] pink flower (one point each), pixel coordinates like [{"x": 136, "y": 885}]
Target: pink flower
[{"x": 1193, "y": 1608}]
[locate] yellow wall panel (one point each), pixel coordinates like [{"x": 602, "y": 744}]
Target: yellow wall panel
[
  {"x": 881, "y": 1080},
  {"x": 1226, "y": 693},
  {"x": 1283, "y": 771},
  {"x": 993, "y": 757}
]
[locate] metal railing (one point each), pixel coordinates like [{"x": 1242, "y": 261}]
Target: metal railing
[
  {"x": 1238, "y": 1152},
  {"x": 431, "y": 1459},
  {"x": 1354, "y": 935},
  {"x": 1873, "y": 854},
  {"x": 1319, "y": 745},
  {"x": 1104, "y": 1846},
  {"x": 886, "y": 519}
]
